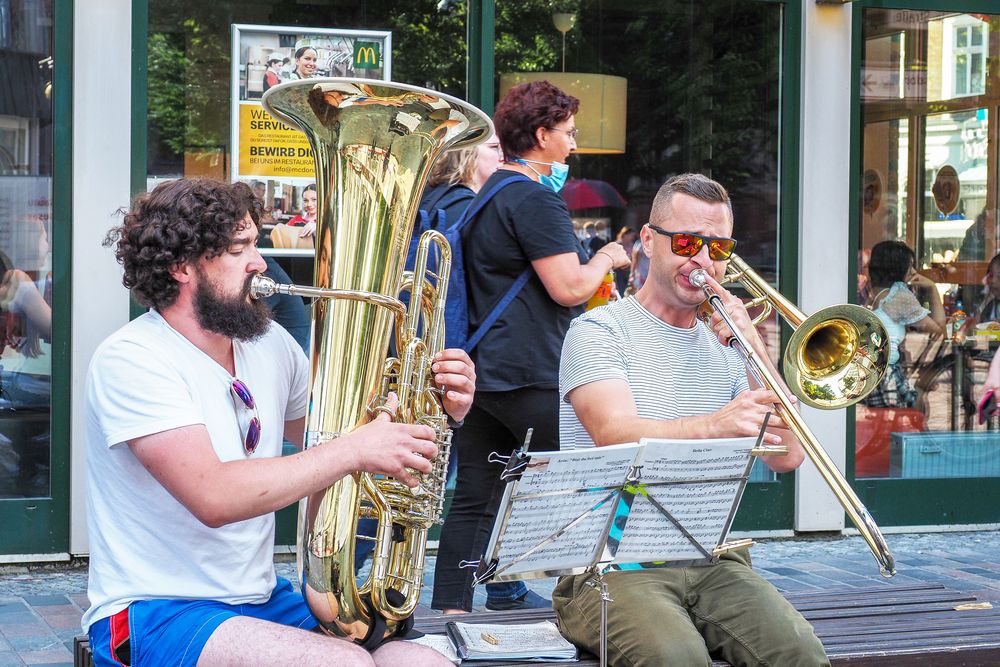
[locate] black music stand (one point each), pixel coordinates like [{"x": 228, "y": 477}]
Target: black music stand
[{"x": 659, "y": 503}]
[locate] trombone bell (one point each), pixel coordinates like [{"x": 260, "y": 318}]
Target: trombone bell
[{"x": 837, "y": 356}]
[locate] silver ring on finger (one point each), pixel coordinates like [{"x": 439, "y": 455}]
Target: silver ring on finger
[{"x": 388, "y": 411}]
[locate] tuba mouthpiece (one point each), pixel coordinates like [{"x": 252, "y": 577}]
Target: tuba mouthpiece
[{"x": 262, "y": 287}]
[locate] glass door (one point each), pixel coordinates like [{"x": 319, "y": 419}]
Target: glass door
[
  {"x": 929, "y": 95},
  {"x": 34, "y": 447}
]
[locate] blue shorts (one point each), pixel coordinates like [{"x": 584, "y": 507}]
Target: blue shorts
[{"x": 150, "y": 633}]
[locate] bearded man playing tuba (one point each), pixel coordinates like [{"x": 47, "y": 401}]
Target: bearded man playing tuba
[{"x": 186, "y": 409}]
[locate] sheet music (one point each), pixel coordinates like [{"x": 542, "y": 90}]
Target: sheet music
[
  {"x": 707, "y": 476},
  {"x": 546, "y": 500}
]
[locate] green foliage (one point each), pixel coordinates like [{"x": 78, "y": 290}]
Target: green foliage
[
  {"x": 188, "y": 86},
  {"x": 167, "y": 75}
]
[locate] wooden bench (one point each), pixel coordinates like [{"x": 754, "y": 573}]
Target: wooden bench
[{"x": 915, "y": 624}]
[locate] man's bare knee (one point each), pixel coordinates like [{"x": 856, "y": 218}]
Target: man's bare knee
[{"x": 243, "y": 642}]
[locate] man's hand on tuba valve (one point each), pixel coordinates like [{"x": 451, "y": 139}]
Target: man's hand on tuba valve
[
  {"x": 384, "y": 447},
  {"x": 455, "y": 374}
]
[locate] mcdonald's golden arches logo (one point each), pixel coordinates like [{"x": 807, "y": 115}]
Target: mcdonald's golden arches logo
[{"x": 367, "y": 55}]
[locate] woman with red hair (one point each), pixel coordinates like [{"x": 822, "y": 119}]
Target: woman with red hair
[{"x": 525, "y": 229}]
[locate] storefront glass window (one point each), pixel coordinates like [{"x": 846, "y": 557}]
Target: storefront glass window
[
  {"x": 929, "y": 108},
  {"x": 190, "y": 65},
  {"x": 25, "y": 259},
  {"x": 191, "y": 79},
  {"x": 693, "y": 105}
]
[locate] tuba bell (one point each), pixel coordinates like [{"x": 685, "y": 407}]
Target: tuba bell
[{"x": 373, "y": 143}]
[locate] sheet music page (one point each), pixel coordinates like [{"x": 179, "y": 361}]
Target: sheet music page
[
  {"x": 528, "y": 641},
  {"x": 539, "y": 509},
  {"x": 701, "y": 504}
]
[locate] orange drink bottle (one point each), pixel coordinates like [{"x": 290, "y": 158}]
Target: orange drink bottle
[{"x": 603, "y": 293}]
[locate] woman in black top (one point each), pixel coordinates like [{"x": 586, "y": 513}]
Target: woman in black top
[{"x": 525, "y": 226}]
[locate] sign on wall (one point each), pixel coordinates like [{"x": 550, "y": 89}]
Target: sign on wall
[{"x": 272, "y": 157}]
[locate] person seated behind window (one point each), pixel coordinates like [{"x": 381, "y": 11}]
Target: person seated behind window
[
  {"x": 306, "y": 219},
  {"x": 973, "y": 248},
  {"x": 989, "y": 309},
  {"x": 892, "y": 272}
]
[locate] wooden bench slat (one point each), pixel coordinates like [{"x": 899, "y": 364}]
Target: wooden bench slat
[{"x": 912, "y": 624}]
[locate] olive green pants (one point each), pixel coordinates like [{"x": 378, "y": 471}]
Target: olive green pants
[{"x": 680, "y": 617}]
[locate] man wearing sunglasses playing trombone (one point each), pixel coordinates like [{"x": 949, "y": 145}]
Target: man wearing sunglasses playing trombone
[
  {"x": 186, "y": 410},
  {"x": 647, "y": 367}
]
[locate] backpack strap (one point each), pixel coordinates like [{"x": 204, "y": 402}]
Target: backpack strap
[
  {"x": 521, "y": 280},
  {"x": 443, "y": 197},
  {"x": 439, "y": 192},
  {"x": 481, "y": 201},
  {"x": 497, "y": 310}
]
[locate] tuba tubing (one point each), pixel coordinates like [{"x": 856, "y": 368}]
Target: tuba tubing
[
  {"x": 373, "y": 144},
  {"x": 855, "y": 509}
]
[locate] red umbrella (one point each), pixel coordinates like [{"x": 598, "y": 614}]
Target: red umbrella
[{"x": 579, "y": 193}]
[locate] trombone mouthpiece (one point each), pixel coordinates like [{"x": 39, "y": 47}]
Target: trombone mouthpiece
[{"x": 697, "y": 278}]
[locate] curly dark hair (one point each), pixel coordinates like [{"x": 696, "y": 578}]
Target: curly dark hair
[
  {"x": 179, "y": 221},
  {"x": 527, "y": 107},
  {"x": 890, "y": 262}
]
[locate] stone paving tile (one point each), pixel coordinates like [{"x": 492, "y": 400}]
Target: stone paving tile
[
  {"x": 64, "y": 621},
  {"x": 18, "y": 617},
  {"x": 10, "y": 659},
  {"x": 58, "y": 656},
  {"x": 786, "y": 585},
  {"x": 841, "y": 577},
  {"x": 781, "y": 571},
  {"x": 989, "y": 574},
  {"x": 81, "y": 601},
  {"x": 66, "y": 635},
  {"x": 34, "y": 643},
  {"x": 44, "y": 600},
  {"x": 23, "y": 629}
]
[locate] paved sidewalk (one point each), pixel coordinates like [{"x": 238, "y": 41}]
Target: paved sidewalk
[{"x": 40, "y": 606}]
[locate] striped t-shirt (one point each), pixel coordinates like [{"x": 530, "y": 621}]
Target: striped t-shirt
[{"x": 673, "y": 372}]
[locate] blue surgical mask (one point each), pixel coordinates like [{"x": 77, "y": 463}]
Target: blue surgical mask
[{"x": 556, "y": 180}]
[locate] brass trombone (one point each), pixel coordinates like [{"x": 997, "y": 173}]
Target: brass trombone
[{"x": 831, "y": 358}]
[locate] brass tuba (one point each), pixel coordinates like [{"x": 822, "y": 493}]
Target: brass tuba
[{"x": 373, "y": 143}]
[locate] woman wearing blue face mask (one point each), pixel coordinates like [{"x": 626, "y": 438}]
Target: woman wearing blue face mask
[{"x": 524, "y": 230}]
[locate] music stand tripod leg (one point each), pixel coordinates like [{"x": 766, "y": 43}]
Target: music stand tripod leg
[{"x": 602, "y": 585}]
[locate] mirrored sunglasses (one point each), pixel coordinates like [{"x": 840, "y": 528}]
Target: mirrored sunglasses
[
  {"x": 687, "y": 244},
  {"x": 246, "y": 413}
]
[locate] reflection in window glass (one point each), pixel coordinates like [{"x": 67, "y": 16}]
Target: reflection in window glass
[
  {"x": 710, "y": 106},
  {"x": 189, "y": 64},
  {"x": 929, "y": 186},
  {"x": 955, "y": 187},
  {"x": 189, "y": 83},
  {"x": 25, "y": 260},
  {"x": 693, "y": 104},
  {"x": 958, "y": 49}
]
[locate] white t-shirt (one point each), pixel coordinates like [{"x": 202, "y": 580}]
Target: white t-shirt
[
  {"x": 673, "y": 372},
  {"x": 147, "y": 378}
]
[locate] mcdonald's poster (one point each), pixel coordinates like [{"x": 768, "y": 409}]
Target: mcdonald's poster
[{"x": 268, "y": 154}]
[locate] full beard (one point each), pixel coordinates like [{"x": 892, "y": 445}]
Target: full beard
[{"x": 239, "y": 317}]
